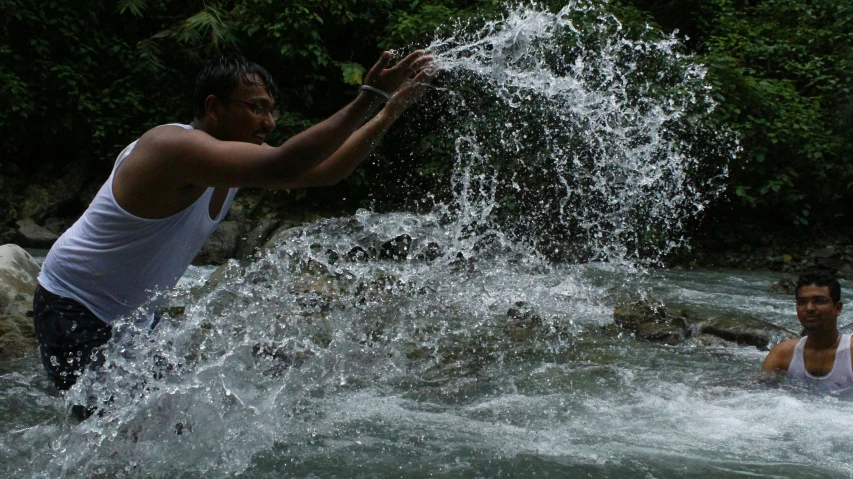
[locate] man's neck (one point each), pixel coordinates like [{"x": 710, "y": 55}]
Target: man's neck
[
  {"x": 203, "y": 126},
  {"x": 823, "y": 339}
]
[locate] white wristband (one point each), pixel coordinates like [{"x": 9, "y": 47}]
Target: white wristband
[{"x": 377, "y": 91}]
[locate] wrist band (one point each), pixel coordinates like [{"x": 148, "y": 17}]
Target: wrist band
[{"x": 377, "y": 91}]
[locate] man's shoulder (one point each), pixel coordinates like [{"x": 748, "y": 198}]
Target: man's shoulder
[
  {"x": 780, "y": 356},
  {"x": 169, "y": 141},
  {"x": 171, "y": 131},
  {"x": 785, "y": 347}
]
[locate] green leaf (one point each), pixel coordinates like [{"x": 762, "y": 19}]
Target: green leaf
[
  {"x": 135, "y": 6},
  {"x": 353, "y": 73}
]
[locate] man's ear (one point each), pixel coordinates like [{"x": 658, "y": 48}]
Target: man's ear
[{"x": 213, "y": 107}]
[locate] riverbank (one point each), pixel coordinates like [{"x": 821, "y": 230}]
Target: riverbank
[{"x": 33, "y": 216}]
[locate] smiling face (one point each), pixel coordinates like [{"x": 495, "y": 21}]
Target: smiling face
[
  {"x": 245, "y": 114},
  {"x": 816, "y": 310}
]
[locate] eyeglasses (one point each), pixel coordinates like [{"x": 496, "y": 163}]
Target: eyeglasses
[
  {"x": 817, "y": 301},
  {"x": 258, "y": 110}
]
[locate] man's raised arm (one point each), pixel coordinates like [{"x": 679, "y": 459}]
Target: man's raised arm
[{"x": 195, "y": 157}]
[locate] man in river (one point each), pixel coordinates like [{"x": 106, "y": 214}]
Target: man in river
[
  {"x": 170, "y": 189},
  {"x": 822, "y": 355}
]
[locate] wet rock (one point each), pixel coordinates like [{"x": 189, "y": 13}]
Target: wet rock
[
  {"x": 358, "y": 253},
  {"x": 833, "y": 264},
  {"x": 257, "y": 235},
  {"x": 785, "y": 286},
  {"x": 223, "y": 274},
  {"x": 16, "y": 335},
  {"x": 58, "y": 226},
  {"x": 462, "y": 264},
  {"x": 18, "y": 273},
  {"x": 282, "y": 358},
  {"x": 397, "y": 248},
  {"x": 41, "y": 201},
  {"x": 431, "y": 252},
  {"x": 31, "y": 235},
  {"x": 823, "y": 253},
  {"x": 522, "y": 320},
  {"x": 332, "y": 256},
  {"x": 845, "y": 272},
  {"x": 630, "y": 315},
  {"x": 221, "y": 245},
  {"x": 664, "y": 333},
  {"x": 745, "y": 331},
  {"x": 651, "y": 322}
]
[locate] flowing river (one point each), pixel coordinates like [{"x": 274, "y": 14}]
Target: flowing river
[{"x": 451, "y": 343}]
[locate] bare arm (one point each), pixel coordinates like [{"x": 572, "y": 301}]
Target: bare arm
[
  {"x": 171, "y": 157},
  {"x": 779, "y": 358},
  {"x": 361, "y": 143}
]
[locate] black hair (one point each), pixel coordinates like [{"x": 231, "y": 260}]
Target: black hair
[
  {"x": 820, "y": 278},
  {"x": 221, "y": 76}
]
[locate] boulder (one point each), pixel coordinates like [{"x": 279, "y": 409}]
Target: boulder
[
  {"x": 221, "y": 246},
  {"x": 670, "y": 333},
  {"x": 58, "y": 226},
  {"x": 833, "y": 264},
  {"x": 31, "y": 235},
  {"x": 255, "y": 238},
  {"x": 650, "y": 322},
  {"x": 630, "y": 315},
  {"x": 18, "y": 273},
  {"x": 745, "y": 330},
  {"x": 823, "y": 253},
  {"x": 41, "y": 201},
  {"x": 785, "y": 286},
  {"x": 16, "y": 335}
]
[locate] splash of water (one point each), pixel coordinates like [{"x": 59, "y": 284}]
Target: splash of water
[{"x": 591, "y": 135}]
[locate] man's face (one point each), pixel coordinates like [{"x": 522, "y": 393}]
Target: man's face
[
  {"x": 242, "y": 120},
  {"x": 815, "y": 308}
]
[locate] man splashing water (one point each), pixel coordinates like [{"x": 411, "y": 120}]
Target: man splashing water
[{"x": 171, "y": 188}]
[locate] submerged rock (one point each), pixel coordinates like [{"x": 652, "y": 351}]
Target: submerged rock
[
  {"x": 652, "y": 322},
  {"x": 745, "y": 331},
  {"x": 397, "y": 248}
]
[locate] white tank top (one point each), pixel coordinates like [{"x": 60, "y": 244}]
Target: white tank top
[
  {"x": 112, "y": 261},
  {"x": 841, "y": 376}
]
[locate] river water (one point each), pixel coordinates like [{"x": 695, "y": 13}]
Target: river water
[
  {"x": 447, "y": 344},
  {"x": 396, "y": 368}
]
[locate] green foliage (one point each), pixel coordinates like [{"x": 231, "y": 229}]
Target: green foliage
[
  {"x": 80, "y": 79},
  {"x": 781, "y": 73}
]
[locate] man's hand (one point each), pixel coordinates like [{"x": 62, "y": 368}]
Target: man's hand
[
  {"x": 410, "y": 92},
  {"x": 391, "y": 79}
]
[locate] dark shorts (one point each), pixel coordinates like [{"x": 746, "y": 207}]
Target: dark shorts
[{"x": 69, "y": 337}]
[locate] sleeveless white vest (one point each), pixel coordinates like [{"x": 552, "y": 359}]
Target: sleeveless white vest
[
  {"x": 112, "y": 262},
  {"x": 841, "y": 376}
]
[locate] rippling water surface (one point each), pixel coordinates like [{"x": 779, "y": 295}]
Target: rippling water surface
[{"x": 300, "y": 365}]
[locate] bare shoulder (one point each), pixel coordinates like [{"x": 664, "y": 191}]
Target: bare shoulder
[
  {"x": 165, "y": 137},
  {"x": 780, "y": 356}
]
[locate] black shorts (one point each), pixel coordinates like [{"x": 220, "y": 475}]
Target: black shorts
[{"x": 69, "y": 337}]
